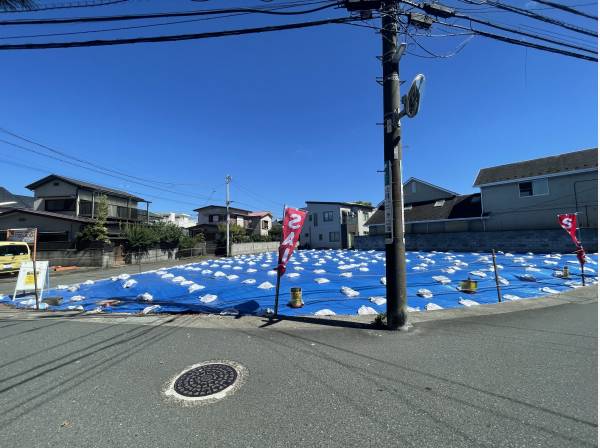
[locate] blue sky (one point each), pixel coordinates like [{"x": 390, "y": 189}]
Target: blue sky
[{"x": 291, "y": 116}]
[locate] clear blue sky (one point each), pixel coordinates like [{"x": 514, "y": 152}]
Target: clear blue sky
[{"x": 291, "y": 116}]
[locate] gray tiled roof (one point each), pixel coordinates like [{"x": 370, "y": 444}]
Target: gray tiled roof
[
  {"x": 571, "y": 161},
  {"x": 458, "y": 207},
  {"x": 47, "y": 214},
  {"x": 83, "y": 184}
]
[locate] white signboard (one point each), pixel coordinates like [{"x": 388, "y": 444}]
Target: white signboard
[
  {"x": 25, "y": 235},
  {"x": 26, "y": 281},
  {"x": 388, "y": 205}
]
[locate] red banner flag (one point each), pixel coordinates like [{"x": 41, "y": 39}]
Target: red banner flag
[
  {"x": 293, "y": 221},
  {"x": 568, "y": 221}
]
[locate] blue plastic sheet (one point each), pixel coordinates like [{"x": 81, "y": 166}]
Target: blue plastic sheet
[{"x": 168, "y": 290}]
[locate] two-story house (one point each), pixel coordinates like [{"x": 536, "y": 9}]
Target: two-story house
[
  {"x": 210, "y": 216},
  {"x": 429, "y": 208},
  {"x": 334, "y": 225},
  {"x": 530, "y": 194},
  {"x": 62, "y": 206}
]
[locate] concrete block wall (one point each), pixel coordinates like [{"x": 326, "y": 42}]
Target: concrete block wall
[
  {"x": 254, "y": 248},
  {"x": 536, "y": 241}
]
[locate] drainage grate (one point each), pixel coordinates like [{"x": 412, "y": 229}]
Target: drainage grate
[{"x": 206, "y": 382}]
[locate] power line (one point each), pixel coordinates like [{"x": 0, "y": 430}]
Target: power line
[
  {"x": 150, "y": 25},
  {"x": 536, "y": 16},
  {"x": 270, "y": 10},
  {"x": 567, "y": 8},
  {"x": 523, "y": 33},
  {"x": 450, "y": 12},
  {"x": 87, "y": 162},
  {"x": 78, "y": 165},
  {"x": 499, "y": 37},
  {"x": 176, "y": 38},
  {"x": 67, "y": 5}
]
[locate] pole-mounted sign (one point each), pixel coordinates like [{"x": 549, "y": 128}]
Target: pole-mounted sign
[{"x": 293, "y": 220}]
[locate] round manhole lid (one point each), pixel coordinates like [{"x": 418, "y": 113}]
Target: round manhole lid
[{"x": 209, "y": 381}]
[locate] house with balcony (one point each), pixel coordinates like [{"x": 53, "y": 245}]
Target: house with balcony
[
  {"x": 62, "y": 206},
  {"x": 210, "y": 216},
  {"x": 334, "y": 225}
]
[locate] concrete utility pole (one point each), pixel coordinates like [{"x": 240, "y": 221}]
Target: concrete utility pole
[
  {"x": 392, "y": 140},
  {"x": 227, "y": 202}
]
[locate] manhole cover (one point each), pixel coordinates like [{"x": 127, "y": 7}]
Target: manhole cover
[{"x": 207, "y": 381}]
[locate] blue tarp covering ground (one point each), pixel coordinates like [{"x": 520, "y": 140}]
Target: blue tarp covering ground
[{"x": 332, "y": 281}]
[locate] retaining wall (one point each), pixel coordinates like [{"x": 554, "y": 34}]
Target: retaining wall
[
  {"x": 254, "y": 248},
  {"x": 536, "y": 241}
]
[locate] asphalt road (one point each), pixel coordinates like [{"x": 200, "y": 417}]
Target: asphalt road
[{"x": 519, "y": 379}]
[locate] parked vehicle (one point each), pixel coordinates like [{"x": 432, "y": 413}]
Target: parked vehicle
[{"x": 12, "y": 254}]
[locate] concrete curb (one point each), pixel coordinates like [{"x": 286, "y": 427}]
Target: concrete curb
[{"x": 586, "y": 294}]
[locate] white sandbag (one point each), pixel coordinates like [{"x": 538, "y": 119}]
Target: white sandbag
[
  {"x": 366, "y": 311},
  {"x": 145, "y": 297},
  {"x": 325, "y": 312},
  {"x": 129, "y": 283},
  {"x": 207, "y": 298},
  {"x": 151, "y": 309},
  {"x": 432, "y": 307},
  {"x": 378, "y": 300},
  {"x": 425, "y": 293},
  {"x": 441, "y": 279},
  {"x": 195, "y": 287},
  {"x": 349, "y": 292}
]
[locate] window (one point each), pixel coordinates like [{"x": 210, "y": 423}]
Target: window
[
  {"x": 122, "y": 212},
  {"x": 316, "y": 220},
  {"x": 320, "y": 237},
  {"x": 439, "y": 203},
  {"x": 413, "y": 187},
  {"x": 13, "y": 250},
  {"x": 59, "y": 205},
  {"x": 306, "y": 235},
  {"x": 327, "y": 216},
  {"x": 213, "y": 218},
  {"x": 85, "y": 208},
  {"x": 265, "y": 225},
  {"x": 310, "y": 217},
  {"x": 334, "y": 237},
  {"x": 536, "y": 187}
]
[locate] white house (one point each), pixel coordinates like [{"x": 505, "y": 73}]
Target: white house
[{"x": 333, "y": 225}]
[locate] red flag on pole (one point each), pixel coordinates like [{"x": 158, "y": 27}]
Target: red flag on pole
[
  {"x": 568, "y": 221},
  {"x": 293, "y": 220}
]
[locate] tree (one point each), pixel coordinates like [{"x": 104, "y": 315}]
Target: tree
[
  {"x": 16, "y": 5},
  {"x": 140, "y": 238},
  {"x": 168, "y": 234},
  {"x": 237, "y": 234},
  {"x": 97, "y": 231}
]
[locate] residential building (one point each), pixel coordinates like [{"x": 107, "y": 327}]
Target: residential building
[
  {"x": 429, "y": 208},
  {"x": 530, "y": 194},
  {"x": 334, "y": 225},
  {"x": 183, "y": 220},
  {"x": 210, "y": 216},
  {"x": 9, "y": 200},
  {"x": 60, "y": 195},
  {"x": 55, "y": 230}
]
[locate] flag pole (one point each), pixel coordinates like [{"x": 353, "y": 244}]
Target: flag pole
[
  {"x": 580, "y": 247},
  {"x": 278, "y": 269},
  {"x": 35, "y": 282}
]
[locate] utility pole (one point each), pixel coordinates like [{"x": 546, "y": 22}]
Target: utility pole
[
  {"x": 395, "y": 271},
  {"x": 227, "y": 202}
]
